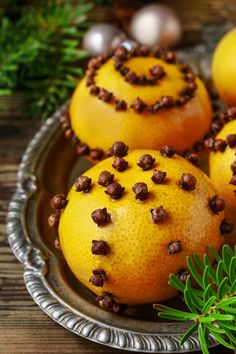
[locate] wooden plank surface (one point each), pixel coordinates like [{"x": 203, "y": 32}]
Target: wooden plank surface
[{"x": 24, "y": 328}]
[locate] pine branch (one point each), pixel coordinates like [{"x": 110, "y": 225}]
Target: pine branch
[
  {"x": 40, "y": 55},
  {"x": 211, "y": 311}
]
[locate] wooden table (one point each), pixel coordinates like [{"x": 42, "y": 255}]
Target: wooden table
[{"x": 24, "y": 328}]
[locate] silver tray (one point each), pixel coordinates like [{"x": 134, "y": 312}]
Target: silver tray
[{"x": 49, "y": 166}]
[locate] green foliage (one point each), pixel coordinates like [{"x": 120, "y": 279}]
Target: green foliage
[
  {"x": 40, "y": 55},
  {"x": 213, "y": 305}
]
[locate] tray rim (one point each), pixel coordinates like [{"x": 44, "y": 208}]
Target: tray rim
[{"x": 35, "y": 268}]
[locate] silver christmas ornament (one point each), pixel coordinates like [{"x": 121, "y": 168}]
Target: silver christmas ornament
[
  {"x": 102, "y": 37},
  {"x": 156, "y": 25},
  {"x": 128, "y": 44}
]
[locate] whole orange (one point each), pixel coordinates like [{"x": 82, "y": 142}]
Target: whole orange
[
  {"x": 223, "y": 67},
  {"x": 99, "y": 124},
  {"x": 142, "y": 253},
  {"x": 221, "y": 174}
]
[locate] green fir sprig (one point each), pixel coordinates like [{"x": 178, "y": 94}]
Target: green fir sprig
[
  {"x": 40, "y": 53},
  {"x": 212, "y": 304}
]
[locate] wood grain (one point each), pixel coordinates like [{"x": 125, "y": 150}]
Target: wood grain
[{"x": 24, "y": 328}]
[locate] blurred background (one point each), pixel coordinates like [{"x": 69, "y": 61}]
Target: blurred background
[{"x": 44, "y": 44}]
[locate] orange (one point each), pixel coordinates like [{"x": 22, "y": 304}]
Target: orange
[
  {"x": 138, "y": 265},
  {"x": 223, "y": 67},
  {"x": 98, "y": 124},
  {"x": 221, "y": 174}
]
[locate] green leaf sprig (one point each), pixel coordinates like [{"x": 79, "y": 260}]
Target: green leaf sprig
[
  {"x": 212, "y": 306},
  {"x": 40, "y": 54}
]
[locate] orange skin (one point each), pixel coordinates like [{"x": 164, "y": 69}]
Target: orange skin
[
  {"x": 220, "y": 174},
  {"x": 98, "y": 123},
  {"x": 223, "y": 68},
  {"x": 138, "y": 265}
]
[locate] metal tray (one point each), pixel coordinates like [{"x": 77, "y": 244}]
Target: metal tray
[{"x": 49, "y": 166}]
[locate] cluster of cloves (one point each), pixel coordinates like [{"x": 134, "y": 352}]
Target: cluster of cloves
[
  {"x": 65, "y": 123},
  {"x": 119, "y": 151},
  {"x": 58, "y": 203},
  {"x": 82, "y": 149},
  {"x": 219, "y": 145},
  {"x": 219, "y": 120},
  {"x": 157, "y": 72},
  {"x": 121, "y": 54}
]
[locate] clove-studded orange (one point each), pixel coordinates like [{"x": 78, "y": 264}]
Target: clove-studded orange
[
  {"x": 142, "y": 98},
  {"x": 223, "y": 174},
  {"x": 223, "y": 67},
  {"x": 125, "y": 248}
]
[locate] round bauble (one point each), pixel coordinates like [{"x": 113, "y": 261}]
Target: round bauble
[
  {"x": 156, "y": 25},
  {"x": 101, "y": 38}
]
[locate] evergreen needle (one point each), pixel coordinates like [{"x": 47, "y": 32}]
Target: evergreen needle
[{"x": 213, "y": 309}]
